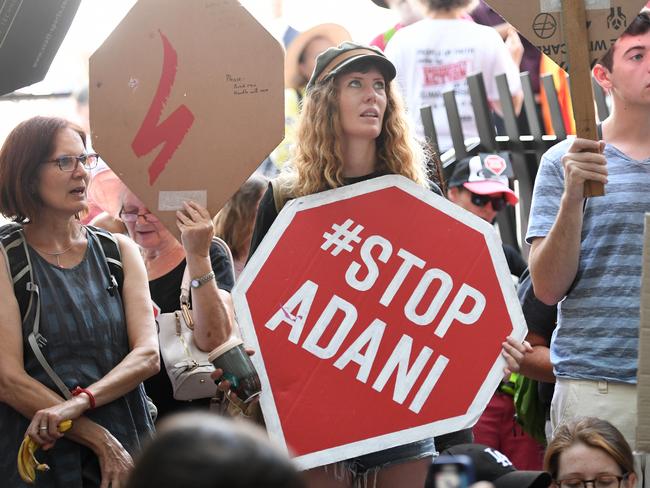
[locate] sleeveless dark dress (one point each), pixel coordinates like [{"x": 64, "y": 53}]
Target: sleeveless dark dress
[{"x": 86, "y": 337}]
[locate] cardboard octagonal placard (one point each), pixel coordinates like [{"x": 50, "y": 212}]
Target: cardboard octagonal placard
[
  {"x": 377, "y": 312},
  {"x": 186, "y": 100},
  {"x": 540, "y": 21}
]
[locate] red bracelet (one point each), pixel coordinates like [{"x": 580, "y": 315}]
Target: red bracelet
[{"x": 79, "y": 390}]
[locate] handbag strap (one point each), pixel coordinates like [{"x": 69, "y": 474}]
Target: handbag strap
[
  {"x": 35, "y": 339},
  {"x": 185, "y": 287},
  {"x": 185, "y": 299},
  {"x": 185, "y": 283}
]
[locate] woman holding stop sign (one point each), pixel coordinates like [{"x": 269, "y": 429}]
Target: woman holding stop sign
[{"x": 353, "y": 128}]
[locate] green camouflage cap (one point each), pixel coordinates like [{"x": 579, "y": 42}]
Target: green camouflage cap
[{"x": 333, "y": 60}]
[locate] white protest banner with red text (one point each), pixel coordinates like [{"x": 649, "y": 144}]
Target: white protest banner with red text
[
  {"x": 377, "y": 312},
  {"x": 186, "y": 100}
]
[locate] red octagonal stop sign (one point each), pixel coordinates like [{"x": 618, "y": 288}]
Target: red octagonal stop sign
[{"x": 378, "y": 311}]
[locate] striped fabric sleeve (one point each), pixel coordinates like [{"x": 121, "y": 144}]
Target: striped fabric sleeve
[{"x": 549, "y": 185}]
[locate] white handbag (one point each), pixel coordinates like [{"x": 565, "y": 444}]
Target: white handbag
[{"x": 187, "y": 366}]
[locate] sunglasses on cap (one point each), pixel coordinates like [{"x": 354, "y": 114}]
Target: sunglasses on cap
[{"x": 498, "y": 203}]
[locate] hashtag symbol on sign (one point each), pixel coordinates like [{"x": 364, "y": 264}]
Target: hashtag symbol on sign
[{"x": 342, "y": 237}]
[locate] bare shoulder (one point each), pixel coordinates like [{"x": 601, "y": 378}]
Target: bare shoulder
[
  {"x": 130, "y": 252},
  {"x": 5, "y": 277},
  {"x": 112, "y": 224},
  {"x": 126, "y": 243},
  {"x": 9, "y": 309}
]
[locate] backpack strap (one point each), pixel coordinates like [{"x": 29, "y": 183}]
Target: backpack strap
[
  {"x": 36, "y": 341},
  {"x": 111, "y": 251},
  {"x": 14, "y": 248}
]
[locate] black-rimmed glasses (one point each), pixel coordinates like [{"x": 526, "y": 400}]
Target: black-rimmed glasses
[
  {"x": 133, "y": 216},
  {"x": 498, "y": 203},
  {"x": 602, "y": 481},
  {"x": 69, "y": 163}
]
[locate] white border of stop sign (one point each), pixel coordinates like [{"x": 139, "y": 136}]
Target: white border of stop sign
[{"x": 381, "y": 249}]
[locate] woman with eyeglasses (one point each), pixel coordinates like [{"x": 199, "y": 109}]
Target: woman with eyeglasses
[
  {"x": 590, "y": 453},
  {"x": 99, "y": 342},
  {"x": 165, "y": 261}
]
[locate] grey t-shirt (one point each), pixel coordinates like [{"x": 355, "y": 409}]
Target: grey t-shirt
[{"x": 598, "y": 322}]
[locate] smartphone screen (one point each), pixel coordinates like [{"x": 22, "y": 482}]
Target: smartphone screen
[
  {"x": 450, "y": 476},
  {"x": 451, "y": 472}
]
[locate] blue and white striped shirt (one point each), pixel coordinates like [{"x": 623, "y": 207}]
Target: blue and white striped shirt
[{"x": 598, "y": 322}]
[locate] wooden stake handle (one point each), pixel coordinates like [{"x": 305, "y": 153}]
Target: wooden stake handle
[{"x": 574, "y": 20}]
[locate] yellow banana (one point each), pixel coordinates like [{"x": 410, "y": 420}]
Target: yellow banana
[
  {"x": 27, "y": 462},
  {"x": 24, "y": 469},
  {"x": 26, "y": 466}
]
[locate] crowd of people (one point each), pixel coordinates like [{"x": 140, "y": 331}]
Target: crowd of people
[{"x": 77, "y": 287}]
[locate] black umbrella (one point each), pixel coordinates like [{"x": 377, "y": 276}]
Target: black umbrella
[{"x": 31, "y": 32}]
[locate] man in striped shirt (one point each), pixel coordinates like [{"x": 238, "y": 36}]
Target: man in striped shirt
[{"x": 586, "y": 253}]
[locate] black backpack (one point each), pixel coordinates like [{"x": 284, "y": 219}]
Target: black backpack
[{"x": 14, "y": 247}]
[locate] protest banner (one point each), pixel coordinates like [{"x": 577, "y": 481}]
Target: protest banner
[
  {"x": 377, "y": 311},
  {"x": 575, "y": 34},
  {"x": 186, "y": 100},
  {"x": 30, "y": 36}
]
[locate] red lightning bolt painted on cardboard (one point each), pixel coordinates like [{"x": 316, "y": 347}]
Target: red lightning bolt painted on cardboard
[{"x": 172, "y": 130}]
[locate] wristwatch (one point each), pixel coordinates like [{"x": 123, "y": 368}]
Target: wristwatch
[{"x": 202, "y": 280}]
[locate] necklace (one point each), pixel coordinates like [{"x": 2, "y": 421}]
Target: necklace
[{"x": 55, "y": 254}]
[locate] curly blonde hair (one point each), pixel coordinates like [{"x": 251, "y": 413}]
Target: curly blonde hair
[{"x": 317, "y": 164}]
